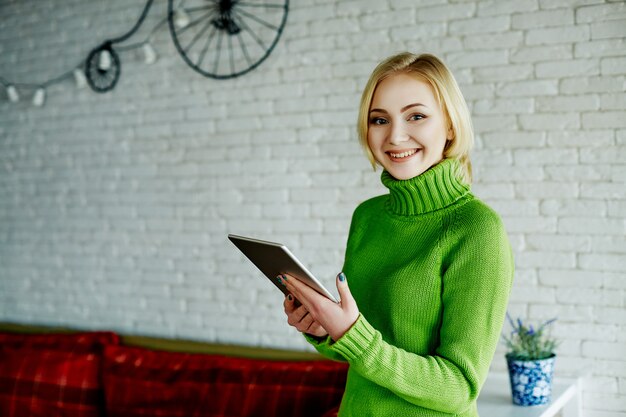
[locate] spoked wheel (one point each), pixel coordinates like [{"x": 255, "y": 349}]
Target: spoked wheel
[
  {"x": 102, "y": 68},
  {"x": 226, "y": 38}
]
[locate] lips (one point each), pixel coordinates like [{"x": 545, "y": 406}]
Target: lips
[{"x": 405, "y": 154}]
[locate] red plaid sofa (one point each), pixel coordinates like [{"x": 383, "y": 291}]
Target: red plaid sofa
[{"x": 101, "y": 374}]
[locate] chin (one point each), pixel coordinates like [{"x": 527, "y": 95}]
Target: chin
[
  {"x": 405, "y": 174},
  {"x": 408, "y": 172}
]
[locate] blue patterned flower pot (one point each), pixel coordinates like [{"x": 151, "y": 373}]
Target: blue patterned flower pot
[{"x": 531, "y": 381}]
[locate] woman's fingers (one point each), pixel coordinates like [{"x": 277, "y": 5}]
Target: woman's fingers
[
  {"x": 347, "y": 300},
  {"x": 335, "y": 318},
  {"x": 305, "y": 322},
  {"x": 317, "y": 330},
  {"x": 302, "y": 292},
  {"x": 299, "y": 317},
  {"x": 289, "y": 304},
  {"x": 296, "y": 316}
]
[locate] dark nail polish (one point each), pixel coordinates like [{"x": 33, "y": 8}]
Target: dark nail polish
[{"x": 342, "y": 277}]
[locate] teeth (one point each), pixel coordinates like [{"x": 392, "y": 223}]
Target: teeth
[{"x": 403, "y": 154}]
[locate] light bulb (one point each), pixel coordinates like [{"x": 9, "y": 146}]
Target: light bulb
[
  {"x": 149, "y": 53},
  {"x": 104, "y": 61},
  {"x": 79, "y": 77},
  {"x": 181, "y": 18},
  {"x": 14, "y": 96},
  {"x": 40, "y": 97}
]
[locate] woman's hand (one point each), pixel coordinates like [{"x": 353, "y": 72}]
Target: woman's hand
[
  {"x": 335, "y": 318},
  {"x": 299, "y": 317}
]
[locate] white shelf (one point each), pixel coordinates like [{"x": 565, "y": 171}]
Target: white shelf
[{"x": 495, "y": 400}]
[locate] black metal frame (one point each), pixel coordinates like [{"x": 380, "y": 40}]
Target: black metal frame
[
  {"x": 103, "y": 80},
  {"x": 226, "y": 18}
]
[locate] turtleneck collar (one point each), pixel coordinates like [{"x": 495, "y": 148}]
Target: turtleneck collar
[{"x": 434, "y": 189}]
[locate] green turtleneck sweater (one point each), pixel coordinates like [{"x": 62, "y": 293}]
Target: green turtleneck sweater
[{"x": 430, "y": 268}]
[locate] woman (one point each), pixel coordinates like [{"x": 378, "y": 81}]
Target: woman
[{"x": 429, "y": 265}]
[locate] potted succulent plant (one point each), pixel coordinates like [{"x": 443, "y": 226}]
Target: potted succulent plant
[{"x": 530, "y": 359}]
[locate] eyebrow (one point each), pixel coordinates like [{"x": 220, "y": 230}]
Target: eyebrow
[{"x": 403, "y": 109}]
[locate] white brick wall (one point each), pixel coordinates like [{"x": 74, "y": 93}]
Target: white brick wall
[{"x": 114, "y": 208}]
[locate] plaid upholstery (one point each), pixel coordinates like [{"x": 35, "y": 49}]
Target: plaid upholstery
[
  {"x": 148, "y": 383},
  {"x": 86, "y": 342},
  {"x": 52, "y": 374},
  {"x": 48, "y": 383}
]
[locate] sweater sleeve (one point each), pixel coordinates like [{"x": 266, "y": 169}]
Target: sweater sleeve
[
  {"x": 323, "y": 346},
  {"x": 477, "y": 278}
]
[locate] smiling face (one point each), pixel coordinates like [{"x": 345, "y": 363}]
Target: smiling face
[{"x": 407, "y": 129}]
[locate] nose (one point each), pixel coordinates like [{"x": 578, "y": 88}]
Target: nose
[{"x": 398, "y": 134}]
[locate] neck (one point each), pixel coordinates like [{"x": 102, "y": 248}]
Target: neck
[{"x": 434, "y": 189}]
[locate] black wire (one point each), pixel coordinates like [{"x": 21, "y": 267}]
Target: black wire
[
  {"x": 134, "y": 29},
  {"x": 136, "y": 45},
  {"x": 61, "y": 77},
  {"x": 67, "y": 74}
]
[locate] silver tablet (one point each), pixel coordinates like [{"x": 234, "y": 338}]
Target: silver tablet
[{"x": 274, "y": 259}]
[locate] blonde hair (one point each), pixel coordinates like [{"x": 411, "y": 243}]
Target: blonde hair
[{"x": 432, "y": 70}]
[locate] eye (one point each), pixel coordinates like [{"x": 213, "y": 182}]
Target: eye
[
  {"x": 417, "y": 116},
  {"x": 378, "y": 121}
]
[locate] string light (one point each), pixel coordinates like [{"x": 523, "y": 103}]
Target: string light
[
  {"x": 14, "y": 96},
  {"x": 104, "y": 60},
  {"x": 104, "y": 63},
  {"x": 150, "y": 55},
  {"x": 102, "y": 67},
  {"x": 181, "y": 18},
  {"x": 79, "y": 78},
  {"x": 40, "y": 97}
]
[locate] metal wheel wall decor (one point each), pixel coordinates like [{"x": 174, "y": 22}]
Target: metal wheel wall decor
[
  {"x": 103, "y": 66},
  {"x": 217, "y": 38},
  {"x": 226, "y": 38}
]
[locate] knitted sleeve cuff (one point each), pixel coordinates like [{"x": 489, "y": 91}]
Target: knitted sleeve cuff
[
  {"x": 317, "y": 341},
  {"x": 356, "y": 340}
]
